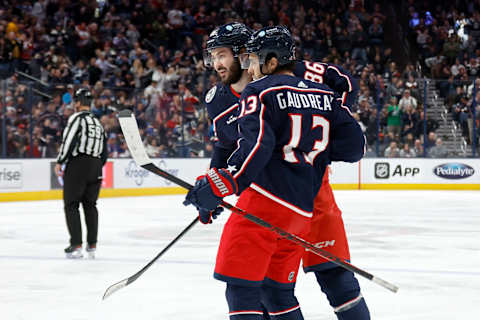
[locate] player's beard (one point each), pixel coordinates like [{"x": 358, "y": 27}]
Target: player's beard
[{"x": 234, "y": 73}]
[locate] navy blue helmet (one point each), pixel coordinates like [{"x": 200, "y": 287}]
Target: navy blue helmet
[
  {"x": 271, "y": 40},
  {"x": 231, "y": 35}
]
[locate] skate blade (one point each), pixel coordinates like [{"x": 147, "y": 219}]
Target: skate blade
[{"x": 74, "y": 256}]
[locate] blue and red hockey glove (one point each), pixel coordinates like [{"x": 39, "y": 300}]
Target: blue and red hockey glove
[
  {"x": 206, "y": 216},
  {"x": 209, "y": 191}
]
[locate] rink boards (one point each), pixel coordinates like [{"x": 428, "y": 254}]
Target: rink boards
[{"x": 34, "y": 179}]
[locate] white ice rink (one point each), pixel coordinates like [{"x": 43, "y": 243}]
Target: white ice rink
[{"x": 426, "y": 242}]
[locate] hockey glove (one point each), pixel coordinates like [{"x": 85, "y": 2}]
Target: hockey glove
[
  {"x": 209, "y": 190},
  {"x": 206, "y": 216}
]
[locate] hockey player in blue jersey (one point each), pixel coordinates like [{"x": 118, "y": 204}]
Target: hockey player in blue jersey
[
  {"x": 223, "y": 48},
  {"x": 289, "y": 130}
]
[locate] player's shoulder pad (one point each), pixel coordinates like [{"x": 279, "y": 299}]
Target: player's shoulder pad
[
  {"x": 256, "y": 86},
  {"x": 304, "y": 83}
]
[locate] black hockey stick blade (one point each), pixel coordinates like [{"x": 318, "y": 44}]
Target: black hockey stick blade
[
  {"x": 134, "y": 142},
  {"x": 125, "y": 282}
]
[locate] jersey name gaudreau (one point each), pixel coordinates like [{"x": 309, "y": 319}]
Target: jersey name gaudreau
[{"x": 291, "y": 99}]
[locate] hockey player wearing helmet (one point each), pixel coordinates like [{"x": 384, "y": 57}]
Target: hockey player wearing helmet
[{"x": 268, "y": 274}]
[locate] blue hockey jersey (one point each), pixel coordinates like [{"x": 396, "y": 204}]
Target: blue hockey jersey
[
  {"x": 290, "y": 129},
  {"x": 337, "y": 78},
  {"x": 222, "y": 103}
]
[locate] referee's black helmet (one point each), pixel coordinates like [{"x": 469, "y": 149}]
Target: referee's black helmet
[{"x": 84, "y": 96}]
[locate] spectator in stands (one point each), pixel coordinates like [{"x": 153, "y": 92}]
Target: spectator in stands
[
  {"x": 431, "y": 141},
  {"x": 375, "y": 32},
  {"x": 392, "y": 151},
  {"x": 394, "y": 120},
  {"x": 412, "y": 85},
  {"x": 407, "y": 152},
  {"x": 409, "y": 120},
  {"x": 395, "y": 88},
  {"x": 462, "y": 115},
  {"x": 418, "y": 148},
  {"x": 438, "y": 150},
  {"x": 407, "y": 100},
  {"x": 455, "y": 68},
  {"x": 435, "y": 63},
  {"x": 359, "y": 41},
  {"x": 451, "y": 48},
  {"x": 151, "y": 147}
]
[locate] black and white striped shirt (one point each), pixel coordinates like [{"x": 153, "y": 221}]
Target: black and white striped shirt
[{"x": 84, "y": 134}]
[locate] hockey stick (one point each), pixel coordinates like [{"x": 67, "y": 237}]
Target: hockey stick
[
  {"x": 125, "y": 282},
  {"x": 130, "y": 131}
]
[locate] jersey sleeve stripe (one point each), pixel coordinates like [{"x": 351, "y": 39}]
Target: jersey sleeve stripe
[
  {"x": 280, "y": 201},
  {"x": 256, "y": 146},
  {"x": 348, "y": 110},
  {"x": 350, "y": 87},
  {"x": 284, "y": 311},
  {"x": 313, "y": 90},
  {"x": 221, "y": 115},
  {"x": 236, "y": 313}
]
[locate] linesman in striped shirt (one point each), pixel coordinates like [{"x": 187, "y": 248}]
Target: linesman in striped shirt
[{"x": 84, "y": 152}]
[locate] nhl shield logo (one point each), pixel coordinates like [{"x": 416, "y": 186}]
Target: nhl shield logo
[{"x": 382, "y": 170}]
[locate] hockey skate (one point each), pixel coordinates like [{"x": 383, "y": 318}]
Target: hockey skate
[
  {"x": 74, "y": 252},
  {"x": 91, "y": 248}
]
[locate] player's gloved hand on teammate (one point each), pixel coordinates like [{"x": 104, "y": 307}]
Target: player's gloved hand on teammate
[{"x": 209, "y": 191}]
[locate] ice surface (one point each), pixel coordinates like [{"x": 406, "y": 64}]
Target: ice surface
[{"x": 426, "y": 242}]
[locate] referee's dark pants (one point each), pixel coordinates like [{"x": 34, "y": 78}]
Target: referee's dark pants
[{"x": 81, "y": 184}]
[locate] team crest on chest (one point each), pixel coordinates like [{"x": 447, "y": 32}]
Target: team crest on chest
[{"x": 210, "y": 94}]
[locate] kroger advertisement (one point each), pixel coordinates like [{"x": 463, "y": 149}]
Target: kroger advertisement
[
  {"x": 421, "y": 171},
  {"x": 126, "y": 174}
]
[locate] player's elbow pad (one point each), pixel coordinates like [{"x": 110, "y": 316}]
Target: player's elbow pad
[
  {"x": 358, "y": 151},
  {"x": 348, "y": 150}
]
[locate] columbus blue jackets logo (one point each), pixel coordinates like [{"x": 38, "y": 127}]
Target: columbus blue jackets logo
[
  {"x": 210, "y": 94},
  {"x": 382, "y": 170}
]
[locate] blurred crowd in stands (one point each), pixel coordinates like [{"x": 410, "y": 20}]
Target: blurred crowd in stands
[
  {"x": 146, "y": 55},
  {"x": 446, "y": 35}
]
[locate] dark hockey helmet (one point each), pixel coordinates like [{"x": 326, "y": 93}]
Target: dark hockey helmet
[
  {"x": 84, "y": 96},
  {"x": 271, "y": 40},
  {"x": 231, "y": 35}
]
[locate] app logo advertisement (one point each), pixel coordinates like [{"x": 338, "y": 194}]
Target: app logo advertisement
[
  {"x": 453, "y": 170},
  {"x": 107, "y": 172},
  {"x": 11, "y": 175},
  {"x": 386, "y": 170}
]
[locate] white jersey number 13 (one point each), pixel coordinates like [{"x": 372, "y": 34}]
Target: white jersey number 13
[{"x": 296, "y": 136}]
